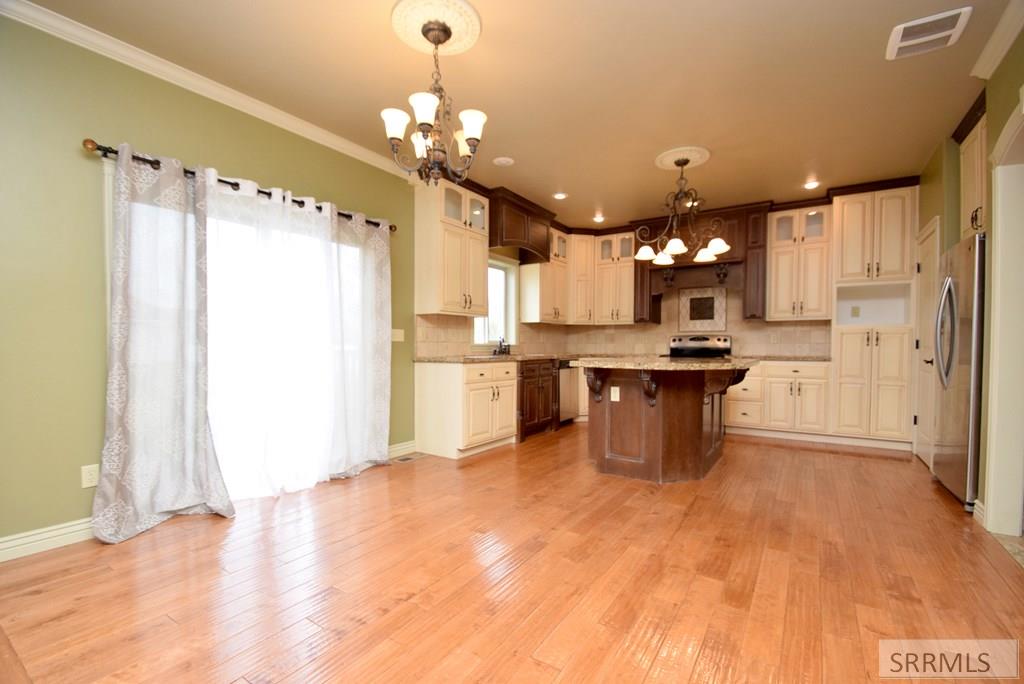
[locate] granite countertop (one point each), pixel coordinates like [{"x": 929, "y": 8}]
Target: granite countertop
[
  {"x": 795, "y": 357},
  {"x": 662, "y": 363},
  {"x": 486, "y": 358},
  {"x": 516, "y": 358}
]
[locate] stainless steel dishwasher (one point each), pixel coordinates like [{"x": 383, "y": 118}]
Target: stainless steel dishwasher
[{"x": 568, "y": 391}]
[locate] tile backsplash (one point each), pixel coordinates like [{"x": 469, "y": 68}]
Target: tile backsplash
[{"x": 453, "y": 335}]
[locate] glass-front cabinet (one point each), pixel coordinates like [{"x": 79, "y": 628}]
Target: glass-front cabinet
[{"x": 463, "y": 207}]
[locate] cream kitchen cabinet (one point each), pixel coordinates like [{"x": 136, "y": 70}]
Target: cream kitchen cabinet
[
  {"x": 451, "y": 251},
  {"x": 479, "y": 406},
  {"x": 781, "y": 395},
  {"x": 799, "y": 279},
  {"x": 581, "y": 279},
  {"x": 613, "y": 279},
  {"x": 872, "y": 381},
  {"x": 544, "y": 289},
  {"x": 974, "y": 171},
  {"x": 873, "y": 235}
]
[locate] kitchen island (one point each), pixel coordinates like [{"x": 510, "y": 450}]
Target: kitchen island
[{"x": 658, "y": 418}]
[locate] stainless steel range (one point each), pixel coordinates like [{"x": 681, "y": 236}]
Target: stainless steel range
[{"x": 700, "y": 345}]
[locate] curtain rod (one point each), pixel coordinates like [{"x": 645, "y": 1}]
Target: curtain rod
[{"x": 107, "y": 151}]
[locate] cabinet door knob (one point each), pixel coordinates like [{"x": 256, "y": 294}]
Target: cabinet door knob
[
  {"x": 877, "y": 268},
  {"x": 876, "y": 338},
  {"x": 867, "y": 339},
  {"x": 867, "y": 270},
  {"x": 801, "y": 308},
  {"x": 471, "y": 301},
  {"x": 798, "y": 389},
  {"x": 790, "y": 389},
  {"x": 794, "y": 308}
]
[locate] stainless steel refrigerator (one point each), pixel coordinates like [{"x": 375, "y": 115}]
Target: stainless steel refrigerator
[{"x": 958, "y": 351}]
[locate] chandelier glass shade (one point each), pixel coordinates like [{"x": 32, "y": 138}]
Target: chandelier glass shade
[
  {"x": 436, "y": 155},
  {"x": 681, "y": 233}
]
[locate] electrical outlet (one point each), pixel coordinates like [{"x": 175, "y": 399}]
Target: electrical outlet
[
  {"x": 90, "y": 475},
  {"x": 614, "y": 394},
  {"x": 773, "y": 338},
  {"x": 854, "y": 312}
]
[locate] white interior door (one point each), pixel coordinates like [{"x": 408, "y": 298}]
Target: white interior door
[{"x": 927, "y": 381}]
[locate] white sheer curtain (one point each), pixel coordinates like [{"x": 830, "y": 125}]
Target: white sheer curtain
[
  {"x": 158, "y": 459},
  {"x": 299, "y": 341}
]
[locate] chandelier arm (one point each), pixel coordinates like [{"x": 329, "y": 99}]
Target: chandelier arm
[{"x": 400, "y": 160}]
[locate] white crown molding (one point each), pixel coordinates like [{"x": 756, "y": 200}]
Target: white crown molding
[
  {"x": 1006, "y": 31},
  {"x": 73, "y": 32},
  {"x": 44, "y": 539}
]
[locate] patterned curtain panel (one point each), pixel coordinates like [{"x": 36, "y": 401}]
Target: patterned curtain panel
[{"x": 158, "y": 456}]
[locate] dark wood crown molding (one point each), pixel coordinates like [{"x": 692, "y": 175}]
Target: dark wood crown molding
[{"x": 971, "y": 118}]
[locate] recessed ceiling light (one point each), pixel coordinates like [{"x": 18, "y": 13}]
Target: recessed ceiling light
[
  {"x": 560, "y": 195},
  {"x": 504, "y": 161},
  {"x": 811, "y": 184},
  {"x": 599, "y": 218}
]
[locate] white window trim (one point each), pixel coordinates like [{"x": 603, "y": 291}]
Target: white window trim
[{"x": 512, "y": 293}]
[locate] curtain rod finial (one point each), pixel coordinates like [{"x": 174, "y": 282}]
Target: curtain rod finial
[{"x": 90, "y": 144}]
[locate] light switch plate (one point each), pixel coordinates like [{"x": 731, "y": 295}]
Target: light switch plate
[
  {"x": 854, "y": 312},
  {"x": 397, "y": 335},
  {"x": 614, "y": 394},
  {"x": 90, "y": 475}
]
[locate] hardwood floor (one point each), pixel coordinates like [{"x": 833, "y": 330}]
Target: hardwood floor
[{"x": 525, "y": 565}]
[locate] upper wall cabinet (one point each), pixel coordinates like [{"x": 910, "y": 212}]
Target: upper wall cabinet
[
  {"x": 973, "y": 179},
  {"x": 581, "y": 279},
  {"x": 799, "y": 269},
  {"x": 518, "y": 222},
  {"x": 873, "y": 235},
  {"x": 451, "y": 250},
  {"x": 544, "y": 288},
  {"x": 613, "y": 279}
]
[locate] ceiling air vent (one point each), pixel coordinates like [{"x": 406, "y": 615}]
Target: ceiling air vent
[{"x": 927, "y": 34}]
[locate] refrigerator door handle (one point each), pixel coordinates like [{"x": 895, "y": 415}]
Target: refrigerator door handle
[{"x": 944, "y": 365}]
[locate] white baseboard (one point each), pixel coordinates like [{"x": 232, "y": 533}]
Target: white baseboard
[
  {"x": 401, "y": 449},
  {"x": 826, "y": 439},
  {"x": 44, "y": 539},
  {"x": 979, "y": 512}
]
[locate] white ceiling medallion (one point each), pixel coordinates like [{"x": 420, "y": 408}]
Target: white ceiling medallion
[
  {"x": 409, "y": 16},
  {"x": 697, "y": 156}
]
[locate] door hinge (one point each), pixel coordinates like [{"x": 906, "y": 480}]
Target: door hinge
[
  {"x": 917, "y": 344},
  {"x": 918, "y": 266},
  {"x": 915, "y": 420}
]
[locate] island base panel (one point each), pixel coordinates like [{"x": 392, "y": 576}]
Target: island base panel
[{"x": 664, "y": 426}]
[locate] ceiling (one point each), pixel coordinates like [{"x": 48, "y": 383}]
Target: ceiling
[{"x": 583, "y": 94}]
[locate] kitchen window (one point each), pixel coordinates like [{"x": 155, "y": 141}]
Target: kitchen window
[{"x": 502, "y": 304}]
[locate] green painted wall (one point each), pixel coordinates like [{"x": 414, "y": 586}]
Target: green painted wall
[
  {"x": 940, "y": 191},
  {"x": 52, "y": 310}
]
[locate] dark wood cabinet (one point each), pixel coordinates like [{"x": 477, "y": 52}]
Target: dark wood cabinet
[
  {"x": 646, "y": 305},
  {"x": 755, "y": 276},
  {"x": 538, "y": 397},
  {"x": 518, "y": 222}
]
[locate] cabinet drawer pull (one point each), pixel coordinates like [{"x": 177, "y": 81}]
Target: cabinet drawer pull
[
  {"x": 877, "y": 268},
  {"x": 794, "y": 308},
  {"x": 867, "y": 270},
  {"x": 744, "y": 413},
  {"x": 470, "y": 301},
  {"x": 492, "y": 394},
  {"x": 798, "y": 389},
  {"x": 867, "y": 339},
  {"x": 790, "y": 389},
  {"x": 801, "y": 308},
  {"x": 876, "y": 338}
]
